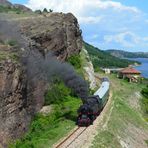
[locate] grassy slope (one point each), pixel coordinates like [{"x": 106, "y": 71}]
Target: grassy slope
[
  {"x": 101, "y": 58},
  {"x": 46, "y": 130},
  {"x": 120, "y": 116}
]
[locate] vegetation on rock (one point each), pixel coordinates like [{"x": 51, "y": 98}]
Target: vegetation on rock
[
  {"x": 7, "y": 9},
  {"x": 75, "y": 60},
  {"x": 45, "y": 130}
]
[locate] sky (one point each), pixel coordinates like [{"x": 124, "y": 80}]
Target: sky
[{"x": 106, "y": 24}]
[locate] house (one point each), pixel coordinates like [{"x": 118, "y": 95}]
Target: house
[
  {"x": 129, "y": 73},
  {"x": 111, "y": 70}
]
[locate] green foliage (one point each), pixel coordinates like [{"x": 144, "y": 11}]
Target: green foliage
[
  {"x": 56, "y": 93},
  {"x": 120, "y": 115},
  {"x": 46, "y": 130},
  {"x": 45, "y": 10},
  {"x": 103, "y": 59},
  {"x": 4, "y": 55},
  {"x": 75, "y": 60},
  {"x": 12, "y": 42},
  {"x": 38, "y": 11},
  {"x": 50, "y": 10},
  {"x": 7, "y": 9},
  {"x": 144, "y": 92},
  {"x": 146, "y": 141}
]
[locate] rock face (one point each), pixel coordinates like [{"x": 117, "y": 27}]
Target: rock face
[
  {"x": 20, "y": 100},
  {"x": 88, "y": 69},
  {"x": 56, "y": 32},
  {"x": 13, "y": 115}
]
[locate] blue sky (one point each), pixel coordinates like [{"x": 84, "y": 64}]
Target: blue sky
[{"x": 107, "y": 24}]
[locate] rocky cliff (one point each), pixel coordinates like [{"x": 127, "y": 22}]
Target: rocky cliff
[
  {"x": 20, "y": 99},
  {"x": 55, "y": 32},
  {"x": 88, "y": 69}
]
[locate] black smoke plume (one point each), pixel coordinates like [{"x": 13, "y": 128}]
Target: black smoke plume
[{"x": 44, "y": 68}]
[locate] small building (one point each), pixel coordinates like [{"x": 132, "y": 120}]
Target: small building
[
  {"x": 129, "y": 73},
  {"x": 111, "y": 70}
]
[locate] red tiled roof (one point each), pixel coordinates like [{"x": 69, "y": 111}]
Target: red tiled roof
[{"x": 130, "y": 70}]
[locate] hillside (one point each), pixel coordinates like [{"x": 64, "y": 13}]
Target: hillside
[
  {"x": 33, "y": 49},
  {"x": 6, "y": 6},
  {"x": 126, "y": 54},
  {"x": 43, "y": 62},
  {"x": 123, "y": 124},
  {"x": 101, "y": 58}
]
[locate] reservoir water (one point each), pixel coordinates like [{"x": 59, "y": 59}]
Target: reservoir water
[{"x": 143, "y": 67}]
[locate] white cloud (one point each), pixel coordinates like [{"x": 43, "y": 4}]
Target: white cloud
[
  {"x": 78, "y": 5},
  {"x": 105, "y": 23},
  {"x": 81, "y": 8},
  {"x": 127, "y": 39},
  {"x": 90, "y": 19}
]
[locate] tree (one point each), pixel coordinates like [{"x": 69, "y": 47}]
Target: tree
[
  {"x": 50, "y": 10},
  {"x": 45, "y": 10},
  {"x": 38, "y": 11}
]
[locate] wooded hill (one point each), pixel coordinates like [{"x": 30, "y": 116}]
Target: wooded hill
[
  {"x": 102, "y": 58},
  {"x": 126, "y": 54}
]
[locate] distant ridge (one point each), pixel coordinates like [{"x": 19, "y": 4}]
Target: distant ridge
[
  {"x": 5, "y": 3},
  {"x": 126, "y": 54},
  {"x": 101, "y": 58}
]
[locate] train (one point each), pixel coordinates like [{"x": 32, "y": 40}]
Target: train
[{"x": 93, "y": 105}]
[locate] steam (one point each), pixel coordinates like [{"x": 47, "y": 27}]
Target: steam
[{"x": 43, "y": 68}]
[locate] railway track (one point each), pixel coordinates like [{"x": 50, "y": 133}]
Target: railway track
[
  {"x": 68, "y": 141},
  {"x": 81, "y": 137}
]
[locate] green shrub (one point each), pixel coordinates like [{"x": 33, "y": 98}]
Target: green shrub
[
  {"x": 144, "y": 92},
  {"x": 46, "y": 130},
  {"x": 57, "y": 92},
  {"x": 50, "y": 10},
  {"x": 13, "y": 56},
  {"x": 38, "y": 11},
  {"x": 7, "y": 9},
  {"x": 45, "y": 10},
  {"x": 12, "y": 42},
  {"x": 75, "y": 60}
]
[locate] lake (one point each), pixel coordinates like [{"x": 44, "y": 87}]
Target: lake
[{"x": 143, "y": 67}]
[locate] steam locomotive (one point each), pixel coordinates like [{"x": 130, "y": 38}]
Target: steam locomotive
[{"x": 93, "y": 105}]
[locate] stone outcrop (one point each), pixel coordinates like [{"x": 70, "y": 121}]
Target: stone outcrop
[
  {"x": 88, "y": 69},
  {"x": 56, "y": 32},
  {"x": 13, "y": 116}
]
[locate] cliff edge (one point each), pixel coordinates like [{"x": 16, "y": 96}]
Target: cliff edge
[{"x": 20, "y": 99}]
